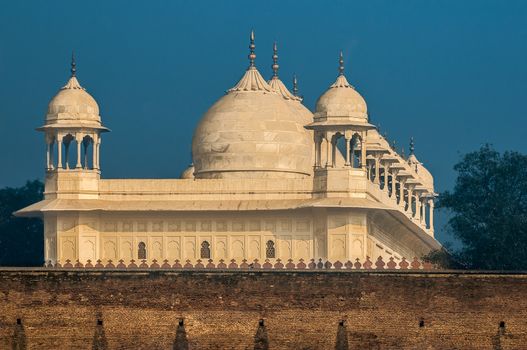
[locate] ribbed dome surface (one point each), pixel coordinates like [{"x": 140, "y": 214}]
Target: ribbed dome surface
[
  {"x": 252, "y": 132},
  {"x": 73, "y": 106}
]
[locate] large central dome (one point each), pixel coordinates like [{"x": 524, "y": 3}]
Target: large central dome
[{"x": 252, "y": 132}]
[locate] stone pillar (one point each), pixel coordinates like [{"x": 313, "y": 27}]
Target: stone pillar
[
  {"x": 410, "y": 200},
  {"x": 59, "y": 153},
  {"x": 418, "y": 209},
  {"x": 51, "y": 160},
  {"x": 377, "y": 172},
  {"x": 48, "y": 157},
  {"x": 392, "y": 190},
  {"x": 78, "y": 139},
  {"x": 363, "y": 152},
  {"x": 401, "y": 192},
  {"x": 333, "y": 152},
  {"x": 385, "y": 179},
  {"x": 328, "y": 150},
  {"x": 96, "y": 150},
  {"x": 348, "y": 140},
  {"x": 318, "y": 147},
  {"x": 431, "y": 208}
]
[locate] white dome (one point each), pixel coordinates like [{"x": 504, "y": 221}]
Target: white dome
[
  {"x": 341, "y": 100},
  {"x": 73, "y": 106},
  {"x": 252, "y": 132}
]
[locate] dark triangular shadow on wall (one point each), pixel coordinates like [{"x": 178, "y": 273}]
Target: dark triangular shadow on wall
[
  {"x": 19, "y": 336},
  {"x": 99, "y": 338},
  {"x": 342, "y": 337},
  {"x": 181, "y": 342},
  {"x": 261, "y": 341}
]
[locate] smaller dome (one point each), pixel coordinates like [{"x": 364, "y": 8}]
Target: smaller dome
[
  {"x": 341, "y": 100},
  {"x": 188, "y": 173},
  {"x": 422, "y": 172},
  {"x": 73, "y": 106}
]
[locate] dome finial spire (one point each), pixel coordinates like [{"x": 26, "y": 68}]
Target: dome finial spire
[
  {"x": 252, "y": 55},
  {"x": 341, "y": 64},
  {"x": 412, "y": 146},
  {"x": 295, "y": 85},
  {"x": 73, "y": 64},
  {"x": 275, "y": 65}
]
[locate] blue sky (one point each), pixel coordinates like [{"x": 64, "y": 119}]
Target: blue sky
[{"x": 452, "y": 74}]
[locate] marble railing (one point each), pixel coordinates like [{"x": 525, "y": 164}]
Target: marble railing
[{"x": 255, "y": 264}]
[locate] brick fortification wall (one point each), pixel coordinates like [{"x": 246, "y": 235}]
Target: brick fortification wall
[{"x": 60, "y": 309}]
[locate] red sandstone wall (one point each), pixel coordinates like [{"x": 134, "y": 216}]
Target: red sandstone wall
[{"x": 302, "y": 310}]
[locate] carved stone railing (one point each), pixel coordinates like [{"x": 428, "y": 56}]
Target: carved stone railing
[
  {"x": 383, "y": 196},
  {"x": 255, "y": 264}
]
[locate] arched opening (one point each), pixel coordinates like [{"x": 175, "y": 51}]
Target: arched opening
[
  {"x": 87, "y": 152},
  {"x": 141, "y": 250},
  {"x": 50, "y": 150},
  {"x": 355, "y": 147},
  {"x": 270, "y": 250},
  {"x": 340, "y": 150},
  {"x": 68, "y": 155},
  {"x": 205, "y": 250}
]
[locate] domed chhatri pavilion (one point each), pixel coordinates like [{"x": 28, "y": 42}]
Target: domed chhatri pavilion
[{"x": 269, "y": 180}]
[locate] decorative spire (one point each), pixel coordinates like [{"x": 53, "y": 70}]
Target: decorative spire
[
  {"x": 73, "y": 64},
  {"x": 275, "y": 65},
  {"x": 295, "y": 85},
  {"x": 252, "y": 55},
  {"x": 393, "y": 145},
  {"x": 341, "y": 81},
  {"x": 402, "y": 153},
  {"x": 341, "y": 64},
  {"x": 412, "y": 146},
  {"x": 73, "y": 83}
]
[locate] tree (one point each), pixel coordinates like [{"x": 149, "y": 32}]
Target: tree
[
  {"x": 21, "y": 239},
  {"x": 489, "y": 210}
]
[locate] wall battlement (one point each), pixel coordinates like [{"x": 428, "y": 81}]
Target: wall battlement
[{"x": 236, "y": 309}]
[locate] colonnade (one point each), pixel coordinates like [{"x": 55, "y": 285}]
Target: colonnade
[
  {"x": 412, "y": 198},
  {"x": 63, "y": 142},
  {"x": 353, "y": 142}
]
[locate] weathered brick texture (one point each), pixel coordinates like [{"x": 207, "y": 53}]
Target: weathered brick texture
[{"x": 160, "y": 309}]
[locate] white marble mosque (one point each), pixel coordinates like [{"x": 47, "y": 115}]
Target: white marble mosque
[{"x": 270, "y": 179}]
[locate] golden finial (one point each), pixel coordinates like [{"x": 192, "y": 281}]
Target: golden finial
[
  {"x": 73, "y": 64},
  {"x": 295, "y": 85},
  {"x": 341, "y": 64},
  {"x": 275, "y": 65},
  {"x": 252, "y": 55}
]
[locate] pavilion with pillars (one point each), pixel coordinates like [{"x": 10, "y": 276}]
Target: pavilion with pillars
[{"x": 270, "y": 180}]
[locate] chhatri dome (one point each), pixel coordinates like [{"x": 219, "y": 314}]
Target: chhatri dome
[
  {"x": 341, "y": 100},
  {"x": 72, "y": 106},
  {"x": 253, "y": 132}
]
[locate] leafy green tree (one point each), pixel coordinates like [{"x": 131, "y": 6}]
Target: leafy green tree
[
  {"x": 489, "y": 210},
  {"x": 21, "y": 239}
]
